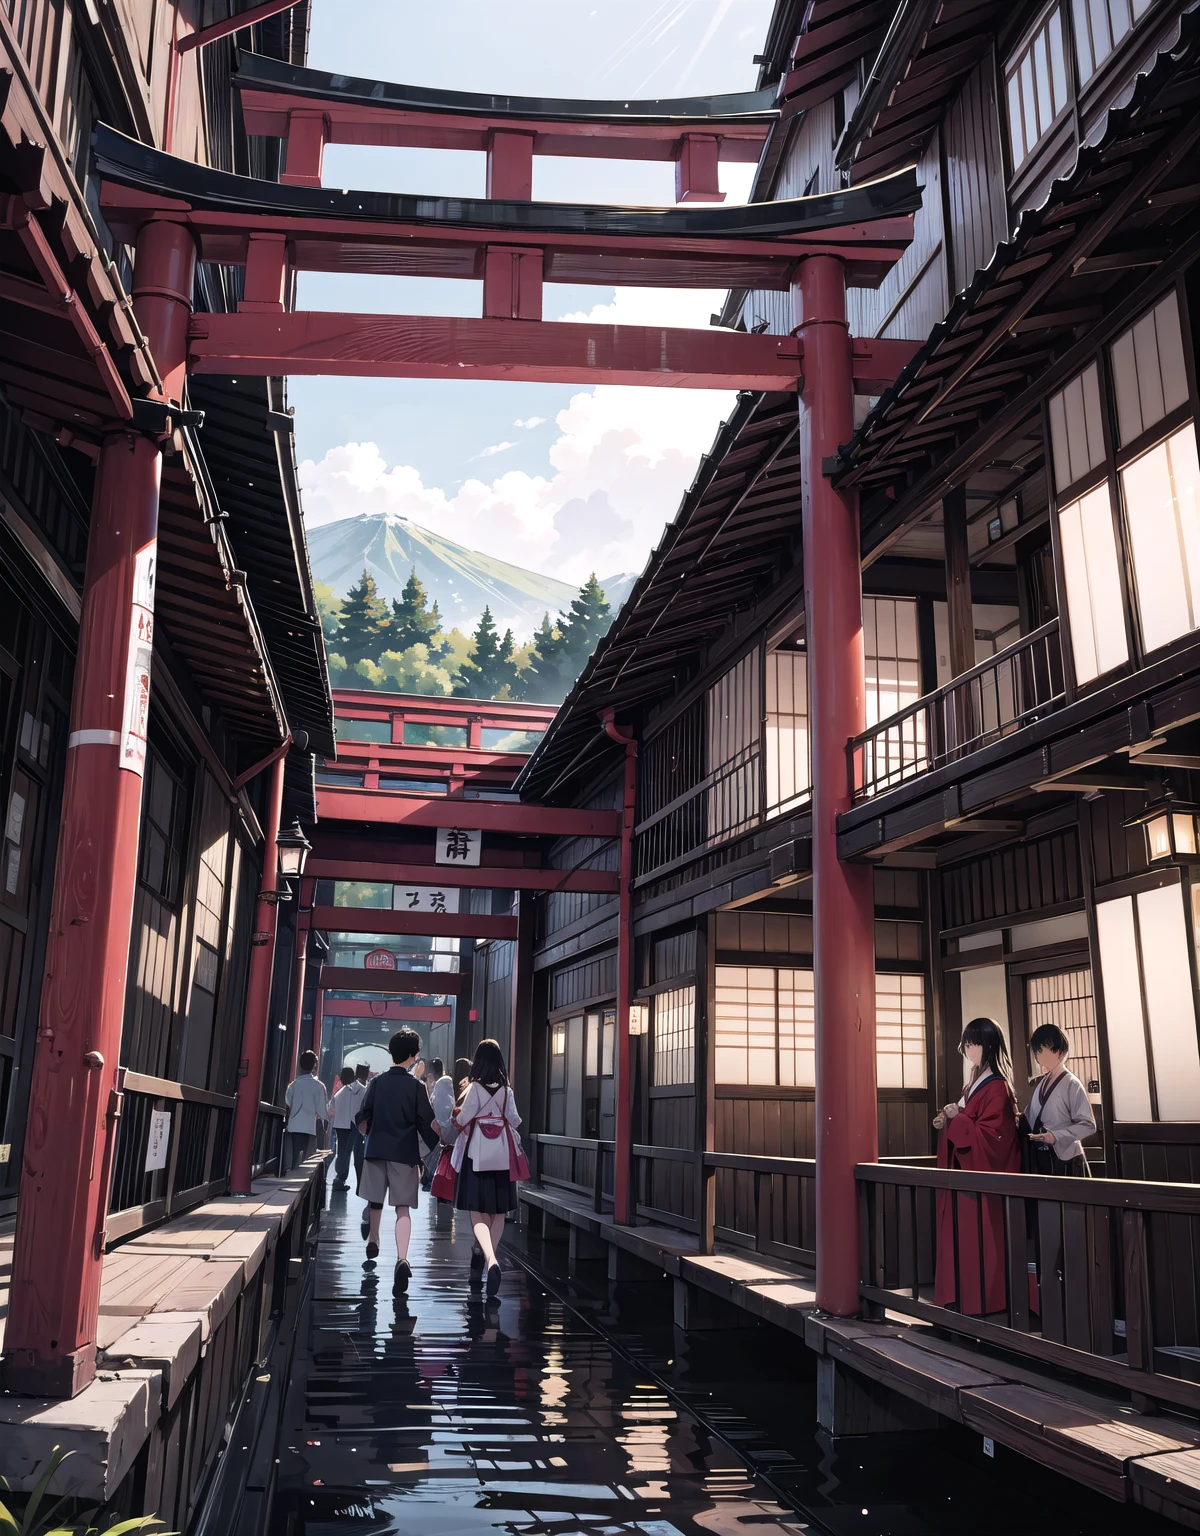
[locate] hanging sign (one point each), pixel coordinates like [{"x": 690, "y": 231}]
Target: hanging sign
[
  {"x": 457, "y": 845},
  {"x": 159, "y": 1139},
  {"x": 423, "y": 898},
  {"x": 138, "y": 660},
  {"x": 379, "y": 960}
]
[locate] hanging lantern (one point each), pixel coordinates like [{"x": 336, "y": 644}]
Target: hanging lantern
[{"x": 1171, "y": 828}]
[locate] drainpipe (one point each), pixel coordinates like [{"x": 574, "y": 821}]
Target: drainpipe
[{"x": 623, "y": 1131}]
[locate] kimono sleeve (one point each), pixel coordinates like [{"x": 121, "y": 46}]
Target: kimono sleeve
[{"x": 985, "y": 1128}]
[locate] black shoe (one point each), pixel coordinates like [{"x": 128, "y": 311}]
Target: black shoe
[
  {"x": 493, "y": 1282},
  {"x": 336, "y": 1185},
  {"x": 364, "y": 1227},
  {"x": 477, "y": 1261},
  {"x": 401, "y": 1278},
  {"x": 372, "y": 1250}
]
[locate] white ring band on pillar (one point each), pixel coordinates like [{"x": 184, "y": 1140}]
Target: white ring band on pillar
[{"x": 93, "y": 739}]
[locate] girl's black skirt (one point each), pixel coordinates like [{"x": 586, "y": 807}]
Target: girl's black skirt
[{"x": 490, "y": 1192}]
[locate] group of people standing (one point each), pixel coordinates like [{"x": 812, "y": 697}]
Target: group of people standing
[
  {"x": 983, "y": 1132},
  {"x": 378, "y": 1121}
]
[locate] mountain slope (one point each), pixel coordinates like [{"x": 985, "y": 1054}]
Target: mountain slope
[{"x": 461, "y": 580}]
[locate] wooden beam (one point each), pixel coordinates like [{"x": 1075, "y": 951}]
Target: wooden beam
[
  {"x": 350, "y": 1008},
  {"x": 349, "y": 978},
  {"x": 394, "y": 809},
  {"x": 434, "y": 925},
  {"x": 483, "y": 877},
  {"x": 959, "y": 612}
]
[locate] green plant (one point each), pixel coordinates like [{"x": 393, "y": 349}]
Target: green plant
[{"x": 32, "y": 1523}]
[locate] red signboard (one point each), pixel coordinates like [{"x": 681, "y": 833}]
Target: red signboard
[{"x": 380, "y": 960}]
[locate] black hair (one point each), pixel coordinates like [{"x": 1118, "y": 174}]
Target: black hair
[
  {"x": 404, "y": 1045},
  {"x": 462, "y": 1068},
  {"x": 436, "y": 1067},
  {"x": 347, "y": 1074},
  {"x": 308, "y": 1060},
  {"x": 488, "y": 1066},
  {"x": 362, "y": 1066},
  {"x": 988, "y": 1034},
  {"x": 1048, "y": 1037}
]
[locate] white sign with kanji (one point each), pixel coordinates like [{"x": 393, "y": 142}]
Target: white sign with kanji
[
  {"x": 455, "y": 845},
  {"x": 423, "y": 898},
  {"x": 138, "y": 661},
  {"x": 159, "y": 1139}
]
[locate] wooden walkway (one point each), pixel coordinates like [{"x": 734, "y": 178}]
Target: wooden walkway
[
  {"x": 182, "y": 1311},
  {"x": 1099, "y": 1440}
]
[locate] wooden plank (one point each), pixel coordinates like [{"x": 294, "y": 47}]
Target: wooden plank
[
  {"x": 1168, "y": 1483},
  {"x": 928, "y": 1378}
]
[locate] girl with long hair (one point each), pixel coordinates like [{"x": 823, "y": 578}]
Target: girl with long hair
[
  {"x": 487, "y": 1115},
  {"x": 978, "y": 1133}
]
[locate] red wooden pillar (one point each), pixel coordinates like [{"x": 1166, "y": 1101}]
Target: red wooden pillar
[
  {"x": 318, "y": 1026},
  {"x": 843, "y": 900},
  {"x": 623, "y": 1117},
  {"x": 300, "y": 969},
  {"x": 258, "y": 993},
  {"x": 50, "y": 1339}
]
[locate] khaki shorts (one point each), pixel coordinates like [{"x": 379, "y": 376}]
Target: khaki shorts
[{"x": 380, "y": 1181}]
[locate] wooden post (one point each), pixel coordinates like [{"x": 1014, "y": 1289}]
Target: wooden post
[
  {"x": 623, "y": 1087},
  {"x": 959, "y": 613},
  {"x": 50, "y": 1339},
  {"x": 843, "y": 900},
  {"x": 258, "y": 993}
]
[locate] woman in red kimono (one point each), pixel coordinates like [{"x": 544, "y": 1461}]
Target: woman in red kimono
[{"x": 978, "y": 1133}]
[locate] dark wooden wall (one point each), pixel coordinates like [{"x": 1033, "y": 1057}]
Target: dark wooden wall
[{"x": 1009, "y": 881}]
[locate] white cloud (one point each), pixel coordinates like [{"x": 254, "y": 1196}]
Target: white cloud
[
  {"x": 530, "y": 422},
  {"x": 486, "y": 453},
  {"x": 616, "y": 470}
]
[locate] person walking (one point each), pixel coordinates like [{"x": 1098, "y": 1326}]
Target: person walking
[
  {"x": 307, "y": 1102},
  {"x": 1058, "y": 1117},
  {"x": 484, "y": 1185},
  {"x": 395, "y": 1110},
  {"x": 344, "y": 1110},
  {"x": 441, "y": 1099},
  {"x": 462, "y": 1078}
]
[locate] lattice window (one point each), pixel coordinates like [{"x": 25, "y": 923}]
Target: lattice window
[
  {"x": 675, "y": 1037},
  {"x": 789, "y": 776},
  {"x": 900, "y": 1060},
  {"x": 1036, "y": 81},
  {"x": 734, "y": 722},
  {"x": 1066, "y": 1000},
  {"x": 1099, "y": 26}
]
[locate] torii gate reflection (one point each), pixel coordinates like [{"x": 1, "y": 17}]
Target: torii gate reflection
[{"x": 174, "y": 213}]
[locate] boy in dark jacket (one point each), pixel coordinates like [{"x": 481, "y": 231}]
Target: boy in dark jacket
[{"x": 394, "y": 1111}]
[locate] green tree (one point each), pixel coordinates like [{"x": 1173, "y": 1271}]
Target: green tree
[
  {"x": 542, "y": 682},
  {"x": 363, "y": 624},
  {"x": 413, "y": 621},
  {"x": 490, "y": 672}
]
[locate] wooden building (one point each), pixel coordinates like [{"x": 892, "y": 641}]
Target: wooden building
[
  {"x": 238, "y": 658},
  {"x": 1029, "y": 517}
]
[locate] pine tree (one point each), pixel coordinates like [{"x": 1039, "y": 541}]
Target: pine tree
[
  {"x": 582, "y": 629},
  {"x": 413, "y": 622},
  {"x": 542, "y": 682},
  {"x": 363, "y": 623},
  {"x": 491, "y": 670}
]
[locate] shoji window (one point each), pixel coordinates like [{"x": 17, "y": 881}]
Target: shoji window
[
  {"x": 892, "y": 655},
  {"x": 1163, "y": 515},
  {"x": 1094, "y": 603},
  {"x": 1099, "y": 27},
  {"x": 788, "y": 772},
  {"x": 900, "y": 1031},
  {"x": 766, "y": 1028},
  {"x": 1036, "y": 81},
  {"x": 1149, "y": 1005},
  {"x": 734, "y": 721},
  {"x": 1077, "y": 428},
  {"x": 675, "y": 1037},
  {"x": 1148, "y": 370}
]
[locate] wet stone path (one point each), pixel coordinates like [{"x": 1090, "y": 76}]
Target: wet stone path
[{"x": 574, "y": 1408}]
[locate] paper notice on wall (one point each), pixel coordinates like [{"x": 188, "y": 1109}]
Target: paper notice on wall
[
  {"x": 15, "y": 824},
  {"x": 159, "y": 1140},
  {"x": 138, "y": 662}
]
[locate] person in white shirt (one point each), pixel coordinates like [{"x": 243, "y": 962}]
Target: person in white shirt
[
  {"x": 307, "y": 1102},
  {"x": 441, "y": 1099},
  {"x": 344, "y": 1110}
]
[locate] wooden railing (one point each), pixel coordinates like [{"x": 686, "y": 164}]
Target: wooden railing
[
  {"x": 268, "y": 1140},
  {"x": 721, "y": 805},
  {"x": 1094, "y": 1276},
  {"x": 198, "y": 1134},
  {"x": 999, "y": 696},
  {"x": 766, "y": 1204}
]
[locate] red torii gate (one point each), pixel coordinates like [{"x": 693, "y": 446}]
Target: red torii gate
[{"x": 174, "y": 213}]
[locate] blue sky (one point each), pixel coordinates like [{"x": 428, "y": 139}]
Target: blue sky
[{"x": 550, "y": 477}]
